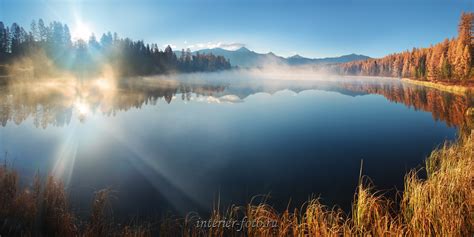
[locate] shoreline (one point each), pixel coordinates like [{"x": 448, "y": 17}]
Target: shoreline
[
  {"x": 461, "y": 90},
  {"x": 455, "y": 89},
  {"x": 441, "y": 86}
]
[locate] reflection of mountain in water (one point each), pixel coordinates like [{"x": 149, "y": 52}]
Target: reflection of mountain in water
[{"x": 57, "y": 103}]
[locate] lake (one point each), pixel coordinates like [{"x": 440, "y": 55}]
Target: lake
[{"x": 186, "y": 143}]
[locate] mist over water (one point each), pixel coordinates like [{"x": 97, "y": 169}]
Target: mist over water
[{"x": 181, "y": 142}]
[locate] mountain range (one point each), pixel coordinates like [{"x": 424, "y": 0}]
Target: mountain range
[{"x": 246, "y": 58}]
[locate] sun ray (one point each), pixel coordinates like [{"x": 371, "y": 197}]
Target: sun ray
[{"x": 66, "y": 157}]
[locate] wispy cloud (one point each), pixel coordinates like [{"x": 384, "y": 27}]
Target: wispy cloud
[
  {"x": 171, "y": 45},
  {"x": 211, "y": 45}
]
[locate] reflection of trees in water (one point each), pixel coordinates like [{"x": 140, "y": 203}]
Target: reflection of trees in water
[
  {"x": 17, "y": 103},
  {"x": 57, "y": 105},
  {"x": 443, "y": 106}
]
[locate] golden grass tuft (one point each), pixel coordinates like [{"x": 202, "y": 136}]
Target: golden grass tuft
[
  {"x": 44, "y": 211},
  {"x": 442, "y": 205}
]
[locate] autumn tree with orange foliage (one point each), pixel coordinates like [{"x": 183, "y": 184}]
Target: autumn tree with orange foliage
[{"x": 450, "y": 60}]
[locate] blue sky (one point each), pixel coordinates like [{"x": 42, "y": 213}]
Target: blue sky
[{"x": 317, "y": 28}]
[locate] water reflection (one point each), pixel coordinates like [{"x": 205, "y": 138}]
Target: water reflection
[
  {"x": 175, "y": 144},
  {"x": 54, "y": 103},
  {"x": 57, "y": 102}
]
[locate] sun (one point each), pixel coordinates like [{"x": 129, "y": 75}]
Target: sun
[
  {"x": 81, "y": 31},
  {"x": 82, "y": 108}
]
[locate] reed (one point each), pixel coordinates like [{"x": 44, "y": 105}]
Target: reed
[{"x": 44, "y": 210}]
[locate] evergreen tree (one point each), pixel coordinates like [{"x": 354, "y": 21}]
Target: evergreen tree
[
  {"x": 3, "y": 39},
  {"x": 43, "y": 31},
  {"x": 34, "y": 30}
]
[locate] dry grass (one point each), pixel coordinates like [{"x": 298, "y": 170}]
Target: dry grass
[
  {"x": 443, "y": 205},
  {"x": 440, "y": 205},
  {"x": 44, "y": 211}
]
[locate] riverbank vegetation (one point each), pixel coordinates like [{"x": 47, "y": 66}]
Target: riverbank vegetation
[
  {"x": 450, "y": 61},
  {"x": 48, "y": 50},
  {"x": 441, "y": 204}
]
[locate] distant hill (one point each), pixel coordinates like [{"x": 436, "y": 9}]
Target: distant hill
[
  {"x": 298, "y": 60},
  {"x": 244, "y": 57}
]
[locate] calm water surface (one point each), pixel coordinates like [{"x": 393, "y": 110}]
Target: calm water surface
[{"x": 182, "y": 145}]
